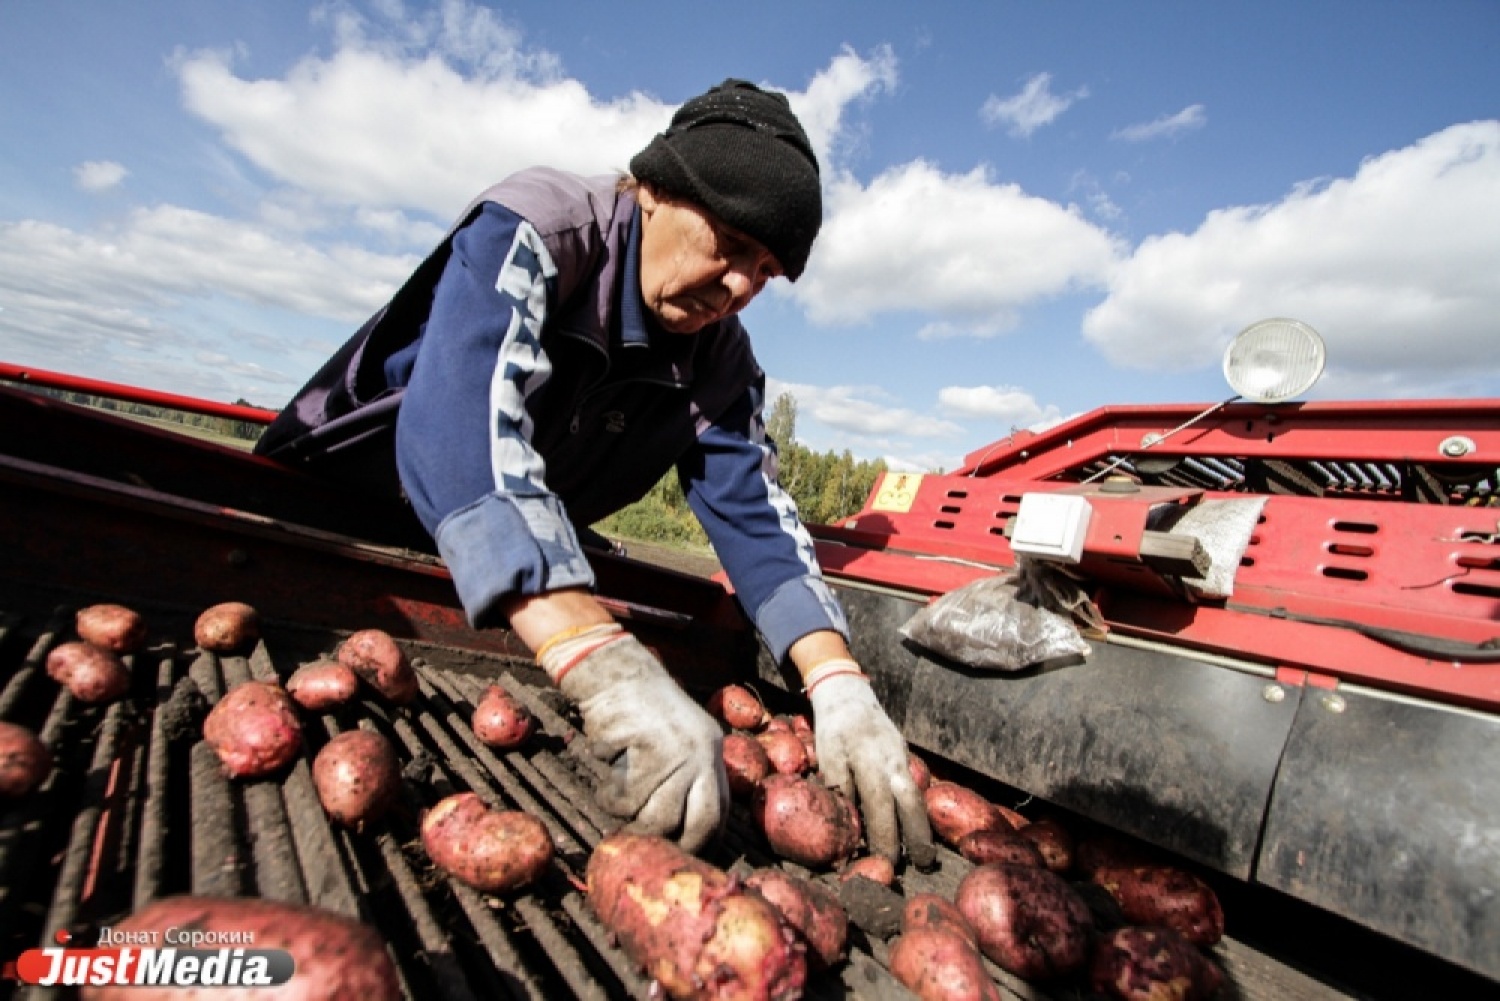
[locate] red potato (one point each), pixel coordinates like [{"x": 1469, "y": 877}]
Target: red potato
[
  {"x": 738, "y": 708},
  {"x": 227, "y": 627},
  {"x": 91, "y": 673},
  {"x": 873, "y": 867},
  {"x": 1152, "y": 964},
  {"x": 1105, "y": 851},
  {"x": 1028, "y": 920},
  {"x": 112, "y": 627},
  {"x": 808, "y": 907},
  {"x": 358, "y": 777},
  {"x": 938, "y": 964},
  {"x": 778, "y": 724},
  {"x": 1053, "y": 841},
  {"x": 696, "y": 931},
  {"x": 920, "y": 773},
  {"x": 785, "y": 750},
  {"x": 983, "y": 847},
  {"x": 25, "y": 762},
  {"x": 930, "y": 910},
  {"x": 745, "y": 763},
  {"x": 254, "y": 729},
  {"x": 1163, "y": 895},
  {"x": 336, "y": 958},
  {"x": 502, "y": 722},
  {"x": 806, "y": 821},
  {"x": 321, "y": 685},
  {"x": 380, "y": 663},
  {"x": 955, "y": 810},
  {"x": 495, "y": 851}
]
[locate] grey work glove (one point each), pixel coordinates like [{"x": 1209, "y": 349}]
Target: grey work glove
[
  {"x": 665, "y": 751},
  {"x": 862, "y": 754}
]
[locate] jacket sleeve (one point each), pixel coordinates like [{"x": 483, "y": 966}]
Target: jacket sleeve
[
  {"x": 730, "y": 480},
  {"x": 463, "y": 436}
]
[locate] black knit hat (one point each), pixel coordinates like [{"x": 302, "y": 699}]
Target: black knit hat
[{"x": 739, "y": 152}]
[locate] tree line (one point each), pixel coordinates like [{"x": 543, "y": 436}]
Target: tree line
[
  {"x": 826, "y": 487},
  {"x": 224, "y": 426}
]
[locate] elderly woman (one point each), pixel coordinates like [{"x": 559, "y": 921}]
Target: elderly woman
[{"x": 571, "y": 340}]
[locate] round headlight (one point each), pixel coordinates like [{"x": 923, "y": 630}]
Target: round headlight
[{"x": 1274, "y": 360}]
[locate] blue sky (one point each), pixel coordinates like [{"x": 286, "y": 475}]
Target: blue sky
[{"x": 1032, "y": 209}]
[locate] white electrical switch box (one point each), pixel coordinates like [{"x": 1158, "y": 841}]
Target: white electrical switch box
[{"x": 1051, "y": 526}]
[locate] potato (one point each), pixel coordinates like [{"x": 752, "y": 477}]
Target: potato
[
  {"x": 254, "y": 729},
  {"x": 500, "y": 721},
  {"x": 955, "y": 810},
  {"x": 692, "y": 928},
  {"x": 228, "y": 627},
  {"x": 380, "y": 663},
  {"x": 738, "y": 708},
  {"x": 25, "y": 762},
  {"x": 873, "y": 867},
  {"x": 785, "y": 750},
  {"x": 91, "y": 673},
  {"x": 806, "y": 821},
  {"x": 920, "y": 773},
  {"x": 745, "y": 763},
  {"x": 321, "y": 685},
  {"x": 1053, "y": 841},
  {"x": 336, "y": 958},
  {"x": 495, "y": 851},
  {"x": 930, "y": 910},
  {"x": 1028, "y": 920},
  {"x": 112, "y": 627},
  {"x": 938, "y": 964},
  {"x": 804, "y": 731},
  {"x": 1163, "y": 895},
  {"x": 1152, "y": 964},
  {"x": 808, "y": 907},
  {"x": 983, "y": 847},
  {"x": 358, "y": 777},
  {"x": 1105, "y": 850}
]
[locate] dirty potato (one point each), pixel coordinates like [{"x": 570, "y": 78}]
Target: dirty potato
[
  {"x": 495, "y": 851},
  {"x": 697, "y": 932},
  {"x": 228, "y": 627},
  {"x": 501, "y": 721},
  {"x": 956, "y": 810},
  {"x": 115, "y": 628},
  {"x": 745, "y": 764},
  {"x": 254, "y": 729},
  {"x": 92, "y": 674},
  {"x": 808, "y": 907},
  {"x": 1152, "y": 964},
  {"x": 1164, "y": 895},
  {"x": 380, "y": 663},
  {"x": 738, "y": 708},
  {"x": 25, "y": 762},
  {"x": 357, "y": 776},
  {"x": 1027, "y": 919},
  {"x": 938, "y": 964},
  {"x": 806, "y": 821},
  {"x": 322, "y": 685}
]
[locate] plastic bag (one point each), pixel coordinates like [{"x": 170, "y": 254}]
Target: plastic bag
[{"x": 984, "y": 625}]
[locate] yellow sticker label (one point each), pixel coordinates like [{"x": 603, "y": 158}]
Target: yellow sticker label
[{"x": 898, "y": 492}]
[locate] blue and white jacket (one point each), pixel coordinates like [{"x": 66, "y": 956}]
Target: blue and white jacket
[{"x": 518, "y": 385}]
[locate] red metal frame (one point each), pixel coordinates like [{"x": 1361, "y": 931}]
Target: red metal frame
[
  {"x": 133, "y": 394},
  {"x": 1401, "y": 596}
]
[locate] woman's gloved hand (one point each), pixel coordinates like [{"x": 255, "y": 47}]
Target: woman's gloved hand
[
  {"x": 863, "y": 755},
  {"x": 665, "y": 751}
]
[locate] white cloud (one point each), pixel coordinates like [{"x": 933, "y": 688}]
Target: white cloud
[
  {"x": 1009, "y": 406},
  {"x": 99, "y": 175},
  {"x": 959, "y": 246},
  {"x": 1033, "y": 107},
  {"x": 1394, "y": 266},
  {"x": 1192, "y": 117},
  {"x": 865, "y": 411}
]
